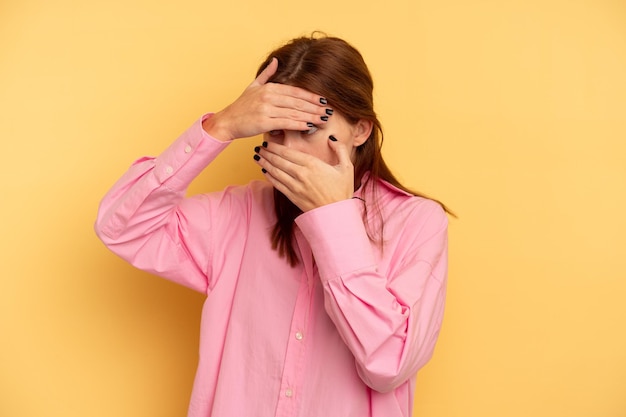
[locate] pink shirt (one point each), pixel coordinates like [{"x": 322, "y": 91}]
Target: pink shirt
[{"x": 342, "y": 334}]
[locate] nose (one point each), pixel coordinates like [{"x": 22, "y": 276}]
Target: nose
[{"x": 291, "y": 138}]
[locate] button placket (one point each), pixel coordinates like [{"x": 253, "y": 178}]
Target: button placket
[{"x": 295, "y": 358}]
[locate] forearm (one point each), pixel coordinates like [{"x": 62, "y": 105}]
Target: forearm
[
  {"x": 152, "y": 187},
  {"x": 387, "y": 305},
  {"x": 389, "y": 338},
  {"x": 137, "y": 219}
]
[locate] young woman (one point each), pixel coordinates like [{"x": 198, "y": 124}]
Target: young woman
[{"x": 325, "y": 284}]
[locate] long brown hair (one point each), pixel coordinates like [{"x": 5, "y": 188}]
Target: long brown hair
[{"x": 334, "y": 69}]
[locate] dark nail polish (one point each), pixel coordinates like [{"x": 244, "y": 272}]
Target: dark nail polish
[
  {"x": 309, "y": 124},
  {"x": 324, "y": 118},
  {"x": 263, "y": 170},
  {"x": 257, "y": 149},
  {"x": 323, "y": 100},
  {"x": 331, "y": 137},
  {"x": 329, "y": 112},
  {"x": 257, "y": 157},
  {"x": 264, "y": 144}
]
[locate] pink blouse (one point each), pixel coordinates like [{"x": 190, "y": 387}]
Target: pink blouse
[{"x": 342, "y": 334}]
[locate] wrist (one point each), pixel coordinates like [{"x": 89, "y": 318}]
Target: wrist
[{"x": 214, "y": 127}]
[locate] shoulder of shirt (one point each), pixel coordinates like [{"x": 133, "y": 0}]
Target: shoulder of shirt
[
  {"x": 400, "y": 200},
  {"x": 394, "y": 192},
  {"x": 260, "y": 193},
  {"x": 255, "y": 190}
]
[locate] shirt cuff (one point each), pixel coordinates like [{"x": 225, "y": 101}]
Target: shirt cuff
[
  {"x": 338, "y": 238},
  {"x": 184, "y": 159}
]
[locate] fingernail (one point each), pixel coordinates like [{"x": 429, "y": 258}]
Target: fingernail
[
  {"x": 323, "y": 100},
  {"x": 309, "y": 124},
  {"x": 257, "y": 149},
  {"x": 329, "y": 112},
  {"x": 324, "y": 118},
  {"x": 264, "y": 144},
  {"x": 331, "y": 137},
  {"x": 263, "y": 170},
  {"x": 256, "y": 157}
]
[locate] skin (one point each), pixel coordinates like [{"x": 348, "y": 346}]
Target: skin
[{"x": 301, "y": 162}]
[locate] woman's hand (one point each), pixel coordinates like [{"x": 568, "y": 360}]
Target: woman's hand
[
  {"x": 304, "y": 179},
  {"x": 267, "y": 106}
]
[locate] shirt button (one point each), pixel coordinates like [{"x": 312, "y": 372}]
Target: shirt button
[
  {"x": 288, "y": 393},
  {"x": 169, "y": 170},
  {"x": 187, "y": 149},
  {"x": 299, "y": 335}
]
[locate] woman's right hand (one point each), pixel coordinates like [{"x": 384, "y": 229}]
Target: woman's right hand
[{"x": 264, "y": 106}]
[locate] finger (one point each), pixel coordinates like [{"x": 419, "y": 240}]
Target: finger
[
  {"x": 282, "y": 187},
  {"x": 284, "y": 157},
  {"x": 282, "y": 169},
  {"x": 301, "y": 118},
  {"x": 341, "y": 150},
  {"x": 282, "y": 180},
  {"x": 296, "y": 97},
  {"x": 277, "y": 123},
  {"x": 267, "y": 72}
]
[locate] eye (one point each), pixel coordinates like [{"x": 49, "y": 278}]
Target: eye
[
  {"x": 310, "y": 131},
  {"x": 275, "y": 132}
]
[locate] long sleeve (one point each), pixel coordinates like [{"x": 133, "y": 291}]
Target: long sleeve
[
  {"x": 388, "y": 312},
  {"x": 144, "y": 218}
]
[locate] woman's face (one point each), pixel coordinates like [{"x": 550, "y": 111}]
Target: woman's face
[{"x": 315, "y": 140}]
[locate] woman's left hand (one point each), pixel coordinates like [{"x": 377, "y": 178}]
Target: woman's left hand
[{"x": 305, "y": 179}]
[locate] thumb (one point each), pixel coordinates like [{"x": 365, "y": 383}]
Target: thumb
[
  {"x": 267, "y": 72},
  {"x": 341, "y": 150}
]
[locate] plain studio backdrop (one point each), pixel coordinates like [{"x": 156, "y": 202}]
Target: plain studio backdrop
[{"x": 511, "y": 112}]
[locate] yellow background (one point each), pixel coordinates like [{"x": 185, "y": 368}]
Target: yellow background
[{"x": 512, "y": 112}]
